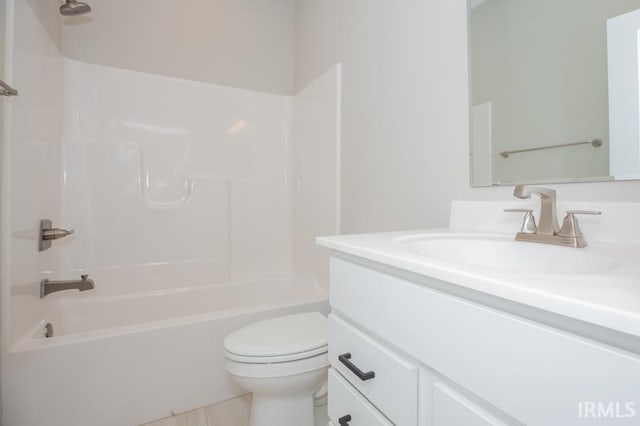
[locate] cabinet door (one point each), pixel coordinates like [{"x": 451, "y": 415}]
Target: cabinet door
[{"x": 450, "y": 408}]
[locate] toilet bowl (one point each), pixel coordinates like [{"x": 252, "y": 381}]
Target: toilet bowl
[{"x": 283, "y": 362}]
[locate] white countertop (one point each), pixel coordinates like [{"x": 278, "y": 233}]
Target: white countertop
[{"x": 610, "y": 299}]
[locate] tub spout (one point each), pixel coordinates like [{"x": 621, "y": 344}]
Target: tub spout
[{"x": 47, "y": 286}]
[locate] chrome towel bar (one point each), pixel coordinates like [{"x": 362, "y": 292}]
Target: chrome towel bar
[
  {"x": 595, "y": 142},
  {"x": 7, "y": 90}
]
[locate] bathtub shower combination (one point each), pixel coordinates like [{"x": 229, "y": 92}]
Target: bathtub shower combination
[
  {"x": 193, "y": 207},
  {"x": 130, "y": 359}
]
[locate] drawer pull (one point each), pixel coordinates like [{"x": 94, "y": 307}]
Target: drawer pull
[
  {"x": 344, "y": 358},
  {"x": 344, "y": 421}
]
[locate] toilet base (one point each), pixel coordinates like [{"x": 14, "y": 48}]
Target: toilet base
[
  {"x": 295, "y": 410},
  {"x": 281, "y": 399}
]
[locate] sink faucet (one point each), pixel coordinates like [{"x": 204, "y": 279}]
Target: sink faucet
[
  {"x": 47, "y": 286},
  {"x": 548, "y": 231},
  {"x": 548, "y": 224}
]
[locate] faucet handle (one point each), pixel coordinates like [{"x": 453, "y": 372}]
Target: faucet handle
[
  {"x": 591, "y": 212},
  {"x": 529, "y": 223},
  {"x": 570, "y": 226}
]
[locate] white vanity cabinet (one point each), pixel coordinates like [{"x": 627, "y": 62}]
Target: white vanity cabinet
[{"x": 406, "y": 351}]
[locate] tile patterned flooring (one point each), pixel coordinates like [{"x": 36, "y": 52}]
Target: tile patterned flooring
[{"x": 234, "y": 412}]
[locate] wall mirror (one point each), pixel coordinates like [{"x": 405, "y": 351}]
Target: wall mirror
[{"x": 555, "y": 93}]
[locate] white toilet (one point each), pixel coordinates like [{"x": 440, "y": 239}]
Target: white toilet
[{"x": 283, "y": 362}]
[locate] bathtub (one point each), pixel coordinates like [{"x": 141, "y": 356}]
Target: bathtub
[{"x": 129, "y": 359}]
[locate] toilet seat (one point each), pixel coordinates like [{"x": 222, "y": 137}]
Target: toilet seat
[
  {"x": 279, "y": 340},
  {"x": 278, "y": 369},
  {"x": 276, "y": 359}
]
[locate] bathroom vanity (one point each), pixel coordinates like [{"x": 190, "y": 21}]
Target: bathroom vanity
[{"x": 468, "y": 327}]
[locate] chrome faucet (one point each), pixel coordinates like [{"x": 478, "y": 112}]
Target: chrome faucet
[
  {"x": 548, "y": 231},
  {"x": 48, "y": 287}
]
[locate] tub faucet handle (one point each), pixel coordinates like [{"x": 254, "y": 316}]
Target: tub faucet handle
[
  {"x": 55, "y": 233},
  {"x": 48, "y": 233}
]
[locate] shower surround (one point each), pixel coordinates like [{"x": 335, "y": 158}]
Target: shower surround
[
  {"x": 194, "y": 207},
  {"x": 165, "y": 170}
]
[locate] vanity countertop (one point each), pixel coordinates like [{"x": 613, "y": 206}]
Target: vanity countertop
[{"x": 609, "y": 299}]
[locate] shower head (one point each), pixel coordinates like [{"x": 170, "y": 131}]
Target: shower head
[{"x": 73, "y": 8}]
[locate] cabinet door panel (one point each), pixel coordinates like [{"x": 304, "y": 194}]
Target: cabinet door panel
[{"x": 452, "y": 409}]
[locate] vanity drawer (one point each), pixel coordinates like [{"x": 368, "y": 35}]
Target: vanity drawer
[
  {"x": 348, "y": 406},
  {"x": 383, "y": 377}
]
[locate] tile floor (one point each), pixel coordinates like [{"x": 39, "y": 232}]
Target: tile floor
[{"x": 234, "y": 412}]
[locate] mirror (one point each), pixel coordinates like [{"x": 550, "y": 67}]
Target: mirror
[{"x": 555, "y": 93}]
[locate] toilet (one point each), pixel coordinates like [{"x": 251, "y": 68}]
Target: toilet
[{"x": 283, "y": 362}]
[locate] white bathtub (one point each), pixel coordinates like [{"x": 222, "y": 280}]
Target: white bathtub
[{"x": 129, "y": 359}]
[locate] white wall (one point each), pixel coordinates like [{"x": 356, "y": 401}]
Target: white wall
[
  {"x": 404, "y": 113},
  {"x": 405, "y": 134},
  {"x": 240, "y": 43},
  {"x": 49, "y": 20}
]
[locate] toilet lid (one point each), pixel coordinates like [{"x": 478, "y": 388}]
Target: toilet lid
[{"x": 283, "y": 338}]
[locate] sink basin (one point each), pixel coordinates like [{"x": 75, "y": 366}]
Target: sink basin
[{"x": 506, "y": 255}]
